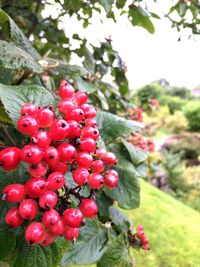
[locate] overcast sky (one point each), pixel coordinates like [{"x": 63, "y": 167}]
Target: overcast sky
[{"x": 148, "y": 57}]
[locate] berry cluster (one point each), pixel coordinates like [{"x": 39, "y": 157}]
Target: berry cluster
[
  {"x": 144, "y": 241},
  {"x": 154, "y": 104},
  {"x": 135, "y": 114},
  {"x": 140, "y": 141},
  {"x": 61, "y": 138}
]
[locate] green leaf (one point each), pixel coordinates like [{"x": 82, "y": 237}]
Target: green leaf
[
  {"x": 119, "y": 219},
  {"x": 89, "y": 62},
  {"x": 137, "y": 155},
  {"x": 116, "y": 255},
  {"x": 9, "y": 27},
  {"x": 104, "y": 202},
  {"x": 13, "y": 97},
  {"x": 182, "y": 9},
  {"x": 85, "y": 86},
  {"x": 103, "y": 100},
  {"x": 112, "y": 126},
  {"x": 90, "y": 245},
  {"x": 120, "y": 3},
  {"x": 7, "y": 240},
  {"x": 142, "y": 170},
  {"x": 4, "y": 118},
  {"x": 33, "y": 256},
  {"x": 139, "y": 17},
  {"x": 127, "y": 193},
  {"x": 107, "y": 4},
  {"x": 14, "y": 58}
]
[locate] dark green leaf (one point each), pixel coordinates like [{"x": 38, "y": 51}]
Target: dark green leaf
[
  {"x": 111, "y": 126},
  {"x": 104, "y": 202},
  {"x": 13, "y": 97},
  {"x": 89, "y": 62},
  {"x": 182, "y": 9},
  {"x": 142, "y": 170},
  {"x": 85, "y": 86},
  {"x": 116, "y": 255},
  {"x": 4, "y": 118},
  {"x": 120, "y": 3},
  {"x": 7, "y": 240},
  {"x": 107, "y": 4},
  {"x": 14, "y": 58},
  {"x": 9, "y": 27},
  {"x": 90, "y": 245},
  {"x": 119, "y": 219}
]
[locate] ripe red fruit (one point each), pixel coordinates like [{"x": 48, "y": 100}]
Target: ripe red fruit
[
  {"x": 109, "y": 158},
  {"x": 28, "y": 209},
  {"x": 110, "y": 181},
  {"x": 48, "y": 240},
  {"x": 140, "y": 227},
  {"x": 71, "y": 234},
  {"x": 146, "y": 247},
  {"x": 55, "y": 180},
  {"x": 91, "y": 122},
  {"x": 67, "y": 152},
  {"x": 80, "y": 176},
  {"x": 38, "y": 169},
  {"x": 29, "y": 109},
  {"x": 50, "y": 217},
  {"x": 145, "y": 240},
  {"x": 41, "y": 138},
  {"x": 90, "y": 112},
  {"x": 27, "y": 125},
  {"x": 10, "y": 158},
  {"x": 76, "y": 114},
  {"x": 87, "y": 145},
  {"x": 59, "y": 166},
  {"x": 84, "y": 160},
  {"x": 140, "y": 234},
  {"x": 57, "y": 229},
  {"x": 98, "y": 166},
  {"x": 48, "y": 200},
  {"x": 74, "y": 129},
  {"x": 31, "y": 154},
  {"x": 72, "y": 217},
  {"x": 14, "y": 193},
  {"x": 91, "y": 132},
  {"x": 66, "y": 106},
  {"x": 45, "y": 117},
  {"x": 81, "y": 98},
  {"x": 13, "y": 218},
  {"x": 59, "y": 129},
  {"x": 35, "y": 187},
  {"x": 88, "y": 207},
  {"x": 65, "y": 90},
  {"x": 35, "y": 233},
  {"x": 51, "y": 155},
  {"x": 95, "y": 180},
  {"x": 114, "y": 173},
  {"x": 100, "y": 151}
]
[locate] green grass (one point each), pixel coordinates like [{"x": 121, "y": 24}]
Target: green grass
[{"x": 173, "y": 229}]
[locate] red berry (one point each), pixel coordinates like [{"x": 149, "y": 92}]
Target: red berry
[
  {"x": 109, "y": 158},
  {"x": 95, "y": 180},
  {"x": 72, "y": 217},
  {"x": 80, "y": 176},
  {"x": 74, "y": 129},
  {"x": 13, "y": 218},
  {"x": 51, "y": 155},
  {"x": 145, "y": 240},
  {"x": 66, "y": 106},
  {"x": 91, "y": 122},
  {"x": 35, "y": 233},
  {"x": 140, "y": 234},
  {"x": 71, "y": 234},
  {"x": 14, "y": 193},
  {"x": 59, "y": 166},
  {"x": 114, "y": 173},
  {"x": 41, "y": 138},
  {"x": 81, "y": 98},
  {"x": 87, "y": 145},
  {"x": 91, "y": 132},
  {"x": 48, "y": 200},
  {"x": 140, "y": 227},
  {"x": 110, "y": 181},
  {"x": 146, "y": 247},
  {"x": 76, "y": 114},
  {"x": 67, "y": 152},
  {"x": 55, "y": 180},
  {"x": 29, "y": 109},
  {"x": 28, "y": 209},
  {"x": 57, "y": 229},
  {"x": 38, "y": 169},
  {"x": 50, "y": 217},
  {"x": 100, "y": 151},
  {"x": 90, "y": 112},
  {"x": 65, "y": 90},
  {"x": 45, "y": 117},
  {"x": 88, "y": 207},
  {"x": 31, "y": 154},
  {"x": 35, "y": 187},
  {"x": 27, "y": 125},
  {"x": 10, "y": 158},
  {"x": 84, "y": 160},
  {"x": 59, "y": 129},
  {"x": 48, "y": 240},
  {"x": 98, "y": 166}
]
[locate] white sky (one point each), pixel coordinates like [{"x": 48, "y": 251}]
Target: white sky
[{"x": 148, "y": 57}]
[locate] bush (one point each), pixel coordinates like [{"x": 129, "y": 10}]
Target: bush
[
  {"x": 176, "y": 122},
  {"x": 174, "y": 103},
  {"x": 192, "y": 113},
  {"x": 182, "y": 92}
]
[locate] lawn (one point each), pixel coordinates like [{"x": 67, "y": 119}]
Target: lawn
[{"x": 173, "y": 228}]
